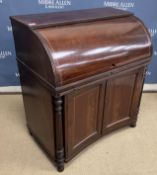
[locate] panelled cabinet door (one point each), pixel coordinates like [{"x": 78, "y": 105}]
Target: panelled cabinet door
[
  {"x": 122, "y": 99},
  {"x": 83, "y": 118}
]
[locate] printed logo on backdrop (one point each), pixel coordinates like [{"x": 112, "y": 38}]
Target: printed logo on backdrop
[
  {"x": 56, "y": 4},
  {"x": 153, "y": 33},
  {"x": 9, "y": 28},
  {"x": 5, "y": 54},
  {"x": 17, "y": 74},
  {"x": 119, "y": 5},
  {"x": 148, "y": 73},
  {"x": 155, "y": 53}
]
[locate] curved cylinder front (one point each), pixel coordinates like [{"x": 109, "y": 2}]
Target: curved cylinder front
[{"x": 82, "y": 50}]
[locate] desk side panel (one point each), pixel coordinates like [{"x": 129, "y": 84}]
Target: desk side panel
[
  {"x": 39, "y": 110},
  {"x": 31, "y": 52}
]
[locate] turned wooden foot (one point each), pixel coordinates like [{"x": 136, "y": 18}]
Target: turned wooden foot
[
  {"x": 60, "y": 168},
  {"x": 30, "y": 133},
  {"x": 133, "y": 125},
  {"x": 60, "y": 160}
]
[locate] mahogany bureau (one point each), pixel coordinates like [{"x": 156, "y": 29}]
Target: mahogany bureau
[{"x": 82, "y": 74}]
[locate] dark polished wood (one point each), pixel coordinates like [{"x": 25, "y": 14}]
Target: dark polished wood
[
  {"x": 74, "y": 52},
  {"x": 39, "y": 110},
  {"x": 83, "y": 113},
  {"x": 54, "y": 19},
  {"x": 82, "y": 74},
  {"x": 123, "y": 42},
  {"x": 122, "y": 99}
]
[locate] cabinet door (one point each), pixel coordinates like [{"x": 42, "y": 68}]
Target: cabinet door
[
  {"x": 83, "y": 118},
  {"x": 122, "y": 99}
]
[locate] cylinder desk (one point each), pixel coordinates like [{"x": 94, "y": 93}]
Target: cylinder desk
[{"x": 81, "y": 73}]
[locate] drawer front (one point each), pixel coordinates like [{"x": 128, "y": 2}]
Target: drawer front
[
  {"x": 122, "y": 99},
  {"x": 83, "y": 118}
]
